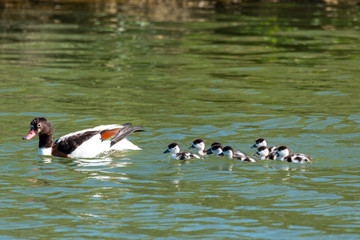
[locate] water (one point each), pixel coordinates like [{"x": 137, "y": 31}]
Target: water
[{"x": 286, "y": 72}]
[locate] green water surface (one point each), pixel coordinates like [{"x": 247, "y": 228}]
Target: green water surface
[{"x": 288, "y": 72}]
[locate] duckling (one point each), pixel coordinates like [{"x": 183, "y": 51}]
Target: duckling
[
  {"x": 262, "y": 142},
  {"x": 286, "y": 155},
  {"x": 216, "y": 149},
  {"x": 265, "y": 153},
  {"x": 209, "y": 151},
  {"x": 174, "y": 150},
  {"x": 229, "y": 152},
  {"x": 199, "y": 144}
]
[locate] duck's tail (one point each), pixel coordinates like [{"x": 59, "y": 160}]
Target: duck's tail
[{"x": 124, "y": 132}]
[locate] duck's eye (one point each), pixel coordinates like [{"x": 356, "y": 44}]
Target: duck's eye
[{"x": 39, "y": 125}]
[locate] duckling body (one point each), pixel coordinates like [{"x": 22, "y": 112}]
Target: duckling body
[
  {"x": 229, "y": 152},
  {"x": 175, "y": 153},
  {"x": 265, "y": 153},
  {"x": 199, "y": 144},
  {"x": 286, "y": 155}
]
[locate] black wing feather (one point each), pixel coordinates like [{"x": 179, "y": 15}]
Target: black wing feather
[{"x": 69, "y": 144}]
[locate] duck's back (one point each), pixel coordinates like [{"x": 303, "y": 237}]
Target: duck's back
[{"x": 90, "y": 143}]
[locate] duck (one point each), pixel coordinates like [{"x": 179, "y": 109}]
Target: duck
[
  {"x": 239, "y": 154},
  {"x": 265, "y": 153},
  {"x": 216, "y": 149},
  {"x": 213, "y": 144},
  {"x": 230, "y": 153},
  {"x": 285, "y": 154},
  {"x": 199, "y": 144},
  {"x": 175, "y": 153},
  {"x": 87, "y": 143},
  {"x": 262, "y": 142}
]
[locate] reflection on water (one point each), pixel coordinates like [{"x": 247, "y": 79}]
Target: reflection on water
[
  {"x": 96, "y": 168},
  {"x": 183, "y": 69}
]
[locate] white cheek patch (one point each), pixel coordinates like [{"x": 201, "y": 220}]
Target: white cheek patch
[{"x": 176, "y": 149}]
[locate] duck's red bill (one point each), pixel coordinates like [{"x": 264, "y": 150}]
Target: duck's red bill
[{"x": 30, "y": 135}]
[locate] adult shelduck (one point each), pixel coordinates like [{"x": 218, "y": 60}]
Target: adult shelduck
[{"x": 88, "y": 143}]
